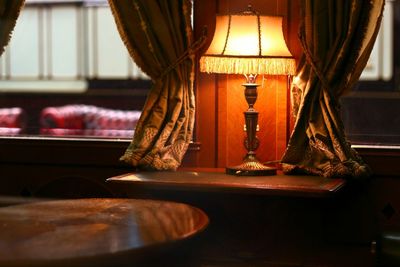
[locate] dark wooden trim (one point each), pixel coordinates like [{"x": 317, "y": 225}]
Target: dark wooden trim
[
  {"x": 68, "y": 2},
  {"x": 118, "y": 84},
  {"x": 383, "y": 160},
  {"x": 376, "y": 86},
  {"x": 54, "y": 3},
  {"x": 62, "y": 151},
  {"x": 69, "y": 151},
  {"x": 206, "y": 101},
  {"x": 375, "y": 94},
  {"x": 371, "y": 117}
]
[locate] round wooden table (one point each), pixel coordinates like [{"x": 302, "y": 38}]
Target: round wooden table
[{"x": 92, "y": 232}]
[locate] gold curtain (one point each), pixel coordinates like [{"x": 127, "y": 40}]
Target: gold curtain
[
  {"x": 337, "y": 37},
  {"x": 9, "y": 12},
  {"x": 158, "y": 36}
]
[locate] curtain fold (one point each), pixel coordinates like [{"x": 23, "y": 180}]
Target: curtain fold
[
  {"x": 158, "y": 36},
  {"x": 337, "y": 37},
  {"x": 9, "y": 12}
]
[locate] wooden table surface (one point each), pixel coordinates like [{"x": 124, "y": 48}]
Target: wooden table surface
[
  {"x": 211, "y": 181},
  {"x": 92, "y": 232}
]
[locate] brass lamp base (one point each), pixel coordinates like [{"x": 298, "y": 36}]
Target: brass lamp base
[{"x": 251, "y": 166}]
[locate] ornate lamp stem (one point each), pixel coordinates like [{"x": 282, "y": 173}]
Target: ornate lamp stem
[
  {"x": 251, "y": 165},
  {"x": 251, "y": 118}
]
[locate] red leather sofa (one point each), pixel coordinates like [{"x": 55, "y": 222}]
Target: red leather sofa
[
  {"x": 87, "y": 120},
  {"x": 12, "y": 121}
]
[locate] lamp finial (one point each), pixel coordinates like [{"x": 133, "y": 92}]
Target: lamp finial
[{"x": 249, "y": 10}]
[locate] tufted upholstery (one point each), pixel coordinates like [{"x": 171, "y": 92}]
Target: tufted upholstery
[
  {"x": 88, "y": 120},
  {"x": 12, "y": 121}
]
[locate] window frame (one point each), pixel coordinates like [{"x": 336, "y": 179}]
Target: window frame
[{"x": 102, "y": 153}]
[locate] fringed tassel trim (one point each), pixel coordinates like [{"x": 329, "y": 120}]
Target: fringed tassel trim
[{"x": 233, "y": 65}]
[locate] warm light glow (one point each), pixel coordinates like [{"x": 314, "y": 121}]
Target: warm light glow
[{"x": 242, "y": 45}]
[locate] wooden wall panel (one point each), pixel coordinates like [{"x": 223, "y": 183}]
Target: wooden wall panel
[
  {"x": 235, "y": 105},
  {"x": 222, "y": 117},
  {"x": 206, "y": 95}
]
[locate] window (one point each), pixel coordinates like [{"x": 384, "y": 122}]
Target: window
[
  {"x": 371, "y": 112},
  {"x": 64, "y": 67}
]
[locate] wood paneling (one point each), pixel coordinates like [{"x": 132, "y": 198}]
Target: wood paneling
[{"x": 206, "y": 95}]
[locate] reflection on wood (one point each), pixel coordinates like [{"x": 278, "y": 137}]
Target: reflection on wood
[{"x": 89, "y": 231}]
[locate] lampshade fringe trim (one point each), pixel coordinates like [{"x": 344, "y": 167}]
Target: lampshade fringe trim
[{"x": 236, "y": 65}]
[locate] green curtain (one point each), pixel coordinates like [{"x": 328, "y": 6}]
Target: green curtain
[
  {"x": 9, "y": 12},
  {"x": 337, "y": 37},
  {"x": 158, "y": 36}
]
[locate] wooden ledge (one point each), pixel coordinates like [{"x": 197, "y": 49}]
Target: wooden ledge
[{"x": 200, "y": 181}]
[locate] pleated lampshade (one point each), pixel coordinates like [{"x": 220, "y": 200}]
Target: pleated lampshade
[{"x": 248, "y": 43}]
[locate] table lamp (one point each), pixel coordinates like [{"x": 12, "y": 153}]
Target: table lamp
[{"x": 250, "y": 44}]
